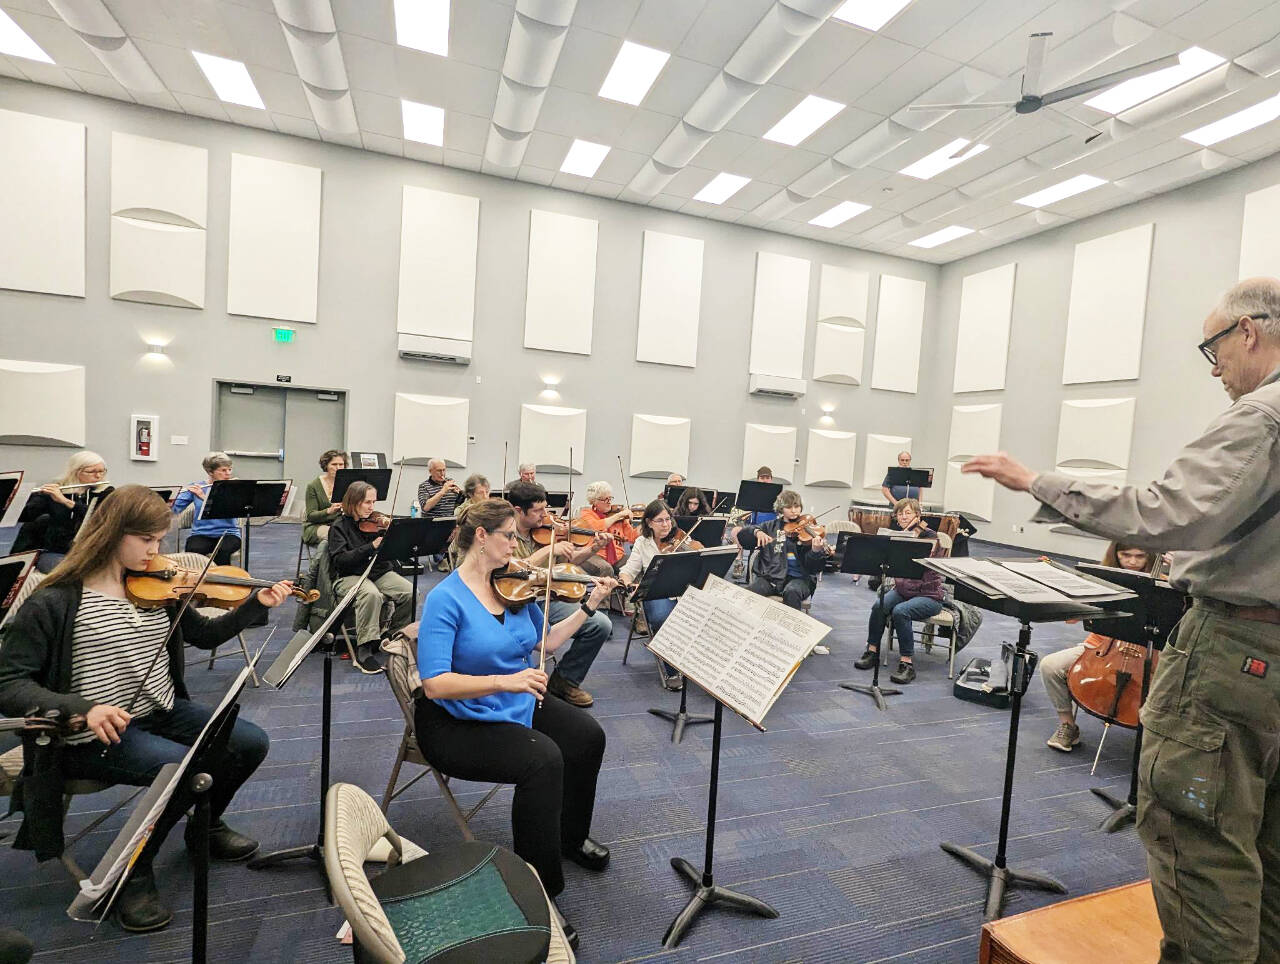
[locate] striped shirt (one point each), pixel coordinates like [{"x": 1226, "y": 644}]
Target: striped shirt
[
  {"x": 112, "y": 645},
  {"x": 445, "y": 508}
]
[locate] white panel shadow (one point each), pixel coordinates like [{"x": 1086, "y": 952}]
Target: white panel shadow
[
  {"x": 842, "y": 293},
  {"x": 560, "y": 296},
  {"x": 42, "y": 199},
  {"x": 771, "y": 445},
  {"x": 159, "y": 181},
  {"x": 882, "y": 452},
  {"x": 273, "y": 257},
  {"x": 670, "y": 299},
  {"x": 895, "y": 366},
  {"x": 546, "y": 434},
  {"x": 659, "y": 446},
  {"x": 1094, "y": 436},
  {"x": 439, "y": 235},
  {"x": 982, "y": 341},
  {"x": 971, "y": 494},
  {"x": 157, "y": 263},
  {"x": 430, "y": 427},
  {"x": 778, "y": 315},
  {"x": 1108, "y": 307},
  {"x": 829, "y": 458},
  {"x": 1260, "y": 233},
  {"x": 837, "y": 353},
  {"x": 41, "y": 403}
]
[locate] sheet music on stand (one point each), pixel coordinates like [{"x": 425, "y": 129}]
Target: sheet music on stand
[
  {"x": 14, "y": 571},
  {"x": 740, "y": 647}
]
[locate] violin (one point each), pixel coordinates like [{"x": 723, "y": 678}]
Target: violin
[
  {"x": 805, "y": 527},
  {"x": 575, "y": 534},
  {"x": 517, "y": 584},
  {"x": 1107, "y": 681},
  {"x": 224, "y": 587},
  {"x": 679, "y": 540},
  {"x": 377, "y": 522}
]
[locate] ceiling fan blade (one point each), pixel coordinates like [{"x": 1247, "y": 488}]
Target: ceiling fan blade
[
  {"x": 1062, "y": 117},
  {"x": 982, "y": 136},
  {"x": 973, "y": 105},
  {"x": 1107, "y": 80},
  {"x": 1036, "y": 47}
]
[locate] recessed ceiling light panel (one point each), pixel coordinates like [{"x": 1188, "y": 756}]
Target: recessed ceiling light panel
[
  {"x": 839, "y": 214},
  {"x": 805, "y": 118},
  {"x": 16, "y": 42},
  {"x": 1192, "y": 62},
  {"x": 584, "y": 158},
  {"x": 633, "y": 72},
  {"x": 230, "y": 80},
  {"x": 422, "y": 122},
  {"x": 1060, "y": 192},
  {"x": 721, "y": 187},
  {"x": 941, "y": 237},
  {"x": 870, "y": 14},
  {"x": 1237, "y": 123},
  {"x": 423, "y": 25},
  {"x": 941, "y": 159}
]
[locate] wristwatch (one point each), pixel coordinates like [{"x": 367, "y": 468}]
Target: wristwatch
[{"x": 586, "y": 609}]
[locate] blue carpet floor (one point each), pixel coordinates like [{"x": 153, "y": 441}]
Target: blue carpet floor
[{"x": 833, "y": 816}]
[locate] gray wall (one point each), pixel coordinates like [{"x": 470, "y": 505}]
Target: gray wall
[{"x": 353, "y": 347}]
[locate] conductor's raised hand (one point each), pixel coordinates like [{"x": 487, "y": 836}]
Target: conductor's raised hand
[
  {"x": 1002, "y": 467},
  {"x": 526, "y": 681},
  {"x": 274, "y": 595},
  {"x": 107, "y": 722}
]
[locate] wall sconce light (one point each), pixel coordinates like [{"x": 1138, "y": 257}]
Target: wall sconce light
[
  {"x": 156, "y": 349},
  {"x": 549, "y": 383},
  {"x": 827, "y": 409}
]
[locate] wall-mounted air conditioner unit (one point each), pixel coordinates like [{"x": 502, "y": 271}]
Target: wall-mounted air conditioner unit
[
  {"x": 451, "y": 351},
  {"x": 776, "y": 386}
]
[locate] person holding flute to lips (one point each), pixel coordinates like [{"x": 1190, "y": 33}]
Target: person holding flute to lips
[{"x": 55, "y": 511}]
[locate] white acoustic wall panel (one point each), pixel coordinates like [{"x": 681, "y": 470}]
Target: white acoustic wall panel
[
  {"x": 546, "y": 434},
  {"x": 156, "y": 263},
  {"x": 829, "y": 458},
  {"x": 1260, "y": 233},
  {"x": 899, "y": 321},
  {"x": 273, "y": 257},
  {"x": 430, "y": 427},
  {"x": 837, "y": 353},
  {"x": 842, "y": 293},
  {"x": 975, "y": 430},
  {"x": 659, "y": 446},
  {"x": 771, "y": 445},
  {"x": 778, "y": 315},
  {"x": 982, "y": 340},
  {"x": 42, "y": 177},
  {"x": 560, "y": 296},
  {"x": 41, "y": 403},
  {"x": 1108, "y": 307},
  {"x": 439, "y": 235},
  {"x": 1094, "y": 437},
  {"x": 882, "y": 452},
  {"x": 670, "y": 299}
]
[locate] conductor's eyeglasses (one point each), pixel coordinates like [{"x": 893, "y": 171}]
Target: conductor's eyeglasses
[{"x": 1206, "y": 346}]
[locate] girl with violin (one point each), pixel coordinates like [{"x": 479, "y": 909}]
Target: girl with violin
[
  {"x": 321, "y": 508},
  {"x": 81, "y": 646},
  {"x": 1055, "y": 668},
  {"x": 354, "y": 539},
  {"x": 55, "y": 511},
  {"x": 486, "y": 715},
  {"x": 909, "y": 601},
  {"x": 603, "y": 516},
  {"x": 205, "y": 533},
  {"x": 791, "y": 551}
]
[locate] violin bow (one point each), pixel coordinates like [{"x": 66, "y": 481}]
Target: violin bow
[
  {"x": 396, "y": 494},
  {"x": 623, "y": 475},
  {"x": 568, "y": 506},
  {"x": 504, "y": 468},
  {"x": 546, "y": 605},
  {"x": 688, "y": 535}
]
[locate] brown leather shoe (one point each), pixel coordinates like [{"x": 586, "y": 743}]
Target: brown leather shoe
[{"x": 562, "y": 688}]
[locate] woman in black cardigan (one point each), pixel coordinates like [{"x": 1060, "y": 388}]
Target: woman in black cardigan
[
  {"x": 51, "y": 517},
  {"x": 80, "y": 646}
]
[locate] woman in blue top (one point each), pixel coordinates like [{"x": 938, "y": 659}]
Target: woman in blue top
[
  {"x": 479, "y": 717},
  {"x": 206, "y": 532}
]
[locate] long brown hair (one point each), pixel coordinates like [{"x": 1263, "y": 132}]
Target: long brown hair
[
  {"x": 131, "y": 510},
  {"x": 356, "y": 493},
  {"x": 651, "y": 512},
  {"x": 1112, "y": 556}
]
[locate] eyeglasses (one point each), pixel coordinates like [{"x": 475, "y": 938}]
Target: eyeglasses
[
  {"x": 1206, "y": 346},
  {"x": 509, "y": 534}
]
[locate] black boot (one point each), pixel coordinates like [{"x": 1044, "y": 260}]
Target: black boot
[
  {"x": 139, "y": 907},
  {"x": 867, "y": 659},
  {"x": 224, "y": 843}
]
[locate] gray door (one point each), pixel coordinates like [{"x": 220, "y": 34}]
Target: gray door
[
  {"x": 314, "y": 422},
  {"x": 249, "y": 426}
]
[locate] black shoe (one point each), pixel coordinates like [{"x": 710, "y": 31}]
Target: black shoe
[
  {"x": 139, "y": 907},
  {"x": 590, "y": 854},
  {"x": 867, "y": 659},
  {"x": 570, "y": 932},
  {"x": 367, "y": 658},
  {"x": 905, "y": 674},
  {"x": 224, "y": 843}
]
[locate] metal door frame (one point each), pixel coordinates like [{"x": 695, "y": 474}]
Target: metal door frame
[{"x": 216, "y": 441}]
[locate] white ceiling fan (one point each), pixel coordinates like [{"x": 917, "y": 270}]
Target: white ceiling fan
[{"x": 1033, "y": 100}]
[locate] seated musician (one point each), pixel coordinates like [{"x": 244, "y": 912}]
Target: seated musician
[
  {"x": 350, "y": 550},
  {"x": 529, "y": 499},
  {"x": 609, "y": 558},
  {"x": 893, "y": 494},
  {"x": 475, "y": 489},
  {"x": 438, "y": 494},
  {"x": 487, "y": 715},
  {"x": 657, "y": 529},
  {"x": 910, "y": 600},
  {"x": 675, "y": 478},
  {"x": 1055, "y": 667},
  {"x": 785, "y": 566},
  {"x": 693, "y": 502},
  {"x": 528, "y": 472},
  {"x": 205, "y": 533},
  {"x": 321, "y": 508},
  {"x": 51, "y": 517},
  {"x": 79, "y": 645},
  {"x": 763, "y": 474}
]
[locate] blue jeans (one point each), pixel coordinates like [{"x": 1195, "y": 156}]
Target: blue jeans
[
  {"x": 574, "y": 663},
  {"x": 903, "y": 613},
  {"x": 655, "y": 613}
]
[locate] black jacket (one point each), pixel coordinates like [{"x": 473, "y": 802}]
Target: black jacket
[
  {"x": 48, "y": 524},
  {"x": 350, "y": 550},
  {"x": 771, "y": 560}
]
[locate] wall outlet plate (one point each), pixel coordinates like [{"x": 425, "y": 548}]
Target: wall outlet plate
[{"x": 177, "y": 440}]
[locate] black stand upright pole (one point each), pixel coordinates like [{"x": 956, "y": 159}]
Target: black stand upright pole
[
  {"x": 874, "y": 690},
  {"x": 683, "y": 717},
  {"x": 1125, "y": 812},
  {"x": 201, "y": 784},
  {"x": 707, "y": 893},
  {"x": 1001, "y": 875}
]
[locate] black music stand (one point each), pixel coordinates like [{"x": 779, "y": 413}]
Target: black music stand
[
  {"x": 710, "y": 529},
  {"x": 671, "y": 494},
  {"x": 380, "y": 479},
  {"x": 243, "y": 499},
  {"x": 408, "y": 540},
  {"x": 919, "y": 479},
  {"x": 756, "y": 496},
  {"x": 169, "y": 493},
  {"x": 368, "y": 460},
  {"x": 558, "y": 501},
  {"x": 1157, "y": 610},
  {"x": 14, "y": 571},
  {"x": 885, "y": 556},
  {"x": 9, "y": 482}
]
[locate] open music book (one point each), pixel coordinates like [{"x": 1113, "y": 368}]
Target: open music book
[
  {"x": 741, "y": 648},
  {"x": 1023, "y": 580}
]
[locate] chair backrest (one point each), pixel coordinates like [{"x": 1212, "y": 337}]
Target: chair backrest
[
  {"x": 944, "y": 543},
  {"x": 29, "y": 585},
  {"x": 185, "y": 517},
  {"x": 402, "y": 670},
  {"x": 840, "y": 525}
]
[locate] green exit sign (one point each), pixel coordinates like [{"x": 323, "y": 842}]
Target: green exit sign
[{"x": 283, "y": 335}]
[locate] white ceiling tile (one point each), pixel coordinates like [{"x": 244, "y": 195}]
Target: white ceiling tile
[
  {"x": 1144, "y": 159},
  {"x": 599, "y": 188},
  {"x": 1214, "y": 15},
  {"x": 761, "y": 157},
  {"x": 466, "y": 133},
  {"x": 249, "y": 117},
  {"x": 663, "y": 24},
  {"x": 907, "y": 83},
  {"x": 766, "y": 107},
  {"x": 720, "y": 29},
  {"x": 176, "y": 67},
  {"x": 620, "y": 166},
  {"x": 792, "y": 162},
  {"x": 480, "y": 37},
  {"x": 444, "y": 82},
  {"x": 145, "y": 21},
  {"x": 379, "y": 113},
  {"x": 989, "y": 22},
  {"x": 1159, "y": 12},
  {"x": 645, "y": 131},
  {"x": 281, "y": 91},
  {"x": 59, "y": 41},
  {"x": 374, "y": 19},
  {"x": 298, "y": 126},
  {"x": 468, "y": 162},
  {"x": 50, "y": 74},
  {"x": 100, "y": 85},
  {"x": 371, "y": 64},
  {"x": 723, "y": 151},
  {"x": 423, "y": 152},
  {"x": 9, "y": 68},
  {"x": 259, "y": 39},
  {"x": 842, "y": 130},
  {"x": 586, "y": 116},
  {"x": 538, "y": 175},
  {"x": 584, "y": 60},
  {"x": 677, "y": 87},
  {"x": 547, "y": 150},
  {"x": 875, "y": 61},
  {"x": 834, "y": 43},
  {"x": 924, "y": 21},
  {"x": 612, "y": 18},
  {"x": 201, "y": 106}
]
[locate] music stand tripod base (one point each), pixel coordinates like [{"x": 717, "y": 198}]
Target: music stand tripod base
[
  {"x": 682, "y": 717},
  {"x": 1001, "y": 879},
  {"x": 877, "y": 693},
  {"x": 707, "y": 895},
  {"x": 1124, "y": 812}
]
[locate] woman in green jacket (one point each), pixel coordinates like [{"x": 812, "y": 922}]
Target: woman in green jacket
[{"x": 321, "y": 507}]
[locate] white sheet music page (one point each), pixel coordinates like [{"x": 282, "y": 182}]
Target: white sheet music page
[
  {"x": 1003, "y": 580},
  {"x": 1055, "y": 578}
]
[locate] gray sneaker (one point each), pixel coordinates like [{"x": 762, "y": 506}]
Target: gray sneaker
[{"x": 1066, "y": 736}]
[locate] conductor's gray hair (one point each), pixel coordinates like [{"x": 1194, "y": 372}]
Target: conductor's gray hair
[{"x": 1253, "y": 296}]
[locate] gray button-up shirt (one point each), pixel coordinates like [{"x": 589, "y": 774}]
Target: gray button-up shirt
[{"x": 1219, "y": 501}]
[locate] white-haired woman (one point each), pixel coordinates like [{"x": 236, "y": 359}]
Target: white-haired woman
[
  {"x": 51, "y": 518},
  {"x": 603, "y": 516},
  {"x": 205, "y": 533}
]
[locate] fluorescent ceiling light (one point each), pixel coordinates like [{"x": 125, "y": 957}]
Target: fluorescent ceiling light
[
  {"x": 230, "y": 80},
  {"x": 721, "y": 187},
  {"x": 941, "y": 159},
  {"x": 633, "y": 72},
  {"x": 941, "y": 237},
  {"x": 1237, "y": 123},
  {"x": 1058, "y": 192},
  {"x": 1192, "y": 62},
  {"x": 839, "y": 214},
  {"x": 584, "y": 158},
  {"x": 422, "y": 122},
  {"x": 869, "y": 14},
  {"x": 423, "y": 25},
  {"x": 805, "y": 118},
  {"x": 15, "y": 42}
]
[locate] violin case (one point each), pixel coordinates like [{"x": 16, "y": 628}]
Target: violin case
[{"x": 984, "y": 683}]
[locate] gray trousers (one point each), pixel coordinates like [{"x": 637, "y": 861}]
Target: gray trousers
[
  {"x": 368, "y": 604},
  {"x": 1053, "y": 673}
]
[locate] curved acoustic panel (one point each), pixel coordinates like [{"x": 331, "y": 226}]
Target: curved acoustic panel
[
  {"x": 670, "y": 299},
  {"x": 829, "y": 458},
  {"x": 771, "y": 445},
  {"x": 837, "y": 353},
  {"x": 547, "y": 432},
  {"x": 882, "y": 452},
  {"x": 778, "y": 315},
  {"x": 161, "y": 264},
  {"x": 659, "y": 446},
  {"x": 895, "y": 365},
  {"x": 560, "y": 295},
  {"x": 1094, "y": 436},
  {"x": 430, "y": 427},
  {"x": 975, "y": 430},
  {"x": 162, "y": 181},
  {"x": 982, "y": 341},
  {"x": 842, "y": 294},
  {"x": 41, "y": 403},
  {"x": 1108, "y": 307}
]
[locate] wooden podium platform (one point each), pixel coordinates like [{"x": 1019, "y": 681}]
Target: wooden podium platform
[{"x": 1118, "y": 926}]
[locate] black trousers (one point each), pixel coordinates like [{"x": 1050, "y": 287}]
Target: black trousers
[
  {"x": 203, "y": 544},
  {"x": 554, "y": 765},
  {"x": 794, "y": 590}
]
